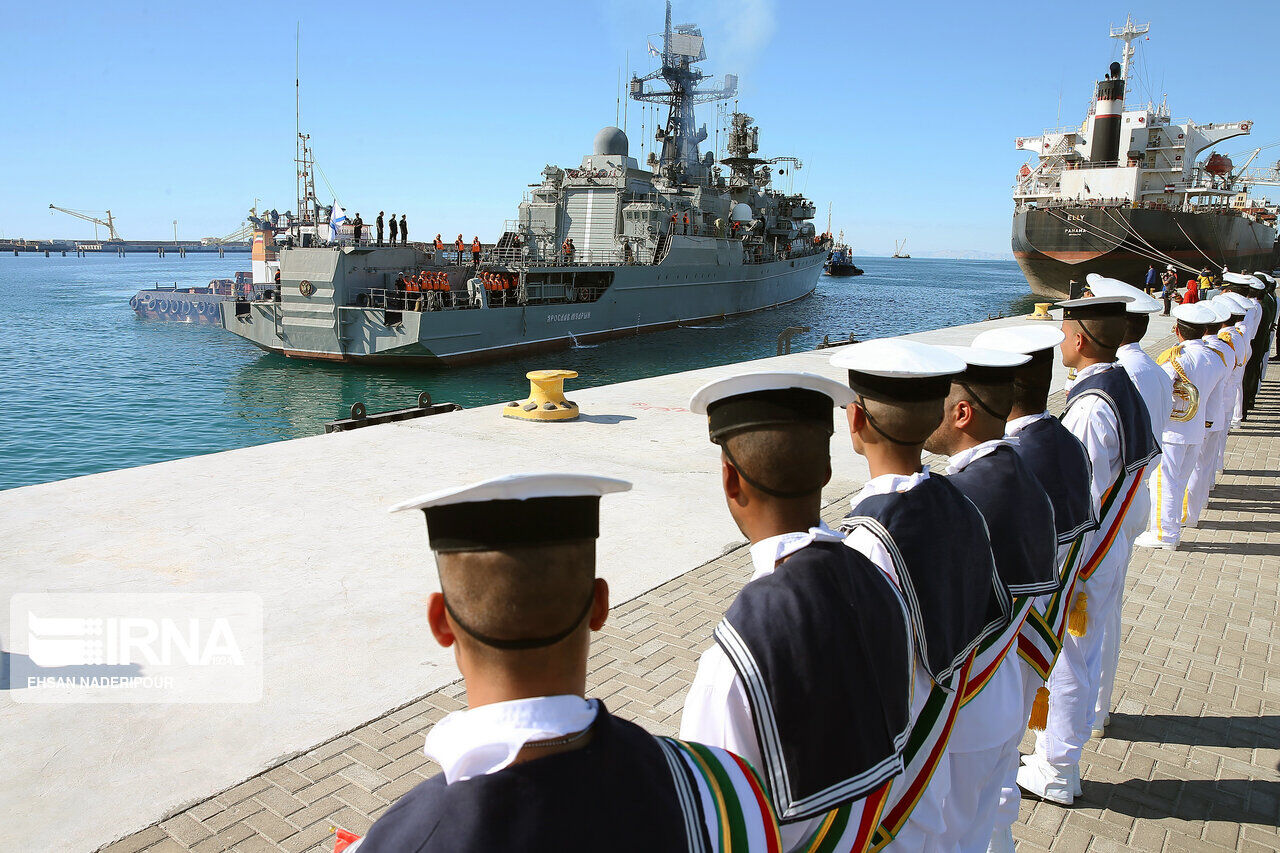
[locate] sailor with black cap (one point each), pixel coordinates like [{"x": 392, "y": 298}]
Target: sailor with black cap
[
  {"x": 1156, "y": 389},
  {"x": 919, "y": 528},
  {"x": 810, "y": 676},
  {"x": 1215, "y": 407},
  {"x": 1061, "y": 466},
  {"x": 1019, "y": 519},
  {"x": 1106, "y": 413},
  {"x": 532, "y": 764}
]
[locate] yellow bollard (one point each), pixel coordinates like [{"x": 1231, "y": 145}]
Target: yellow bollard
[
  {"x": 546, "y": 400},
  {"x": 1042, "y": 311}
]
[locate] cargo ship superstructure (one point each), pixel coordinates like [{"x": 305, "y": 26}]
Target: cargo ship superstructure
[
  {"x": 607, "y": 249},
  {"x": 1124, "y": 190}
]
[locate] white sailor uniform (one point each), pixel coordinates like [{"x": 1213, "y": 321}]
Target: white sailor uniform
[
  {"x": 1181, "y": 441},
  {"x": 1105, "y": 412},
  {"x": 735, "y": 696},
  {"x": 913, "y": 815},
  {"x": 1213, "y": 412},
  {"x": 983, "y": 748}
]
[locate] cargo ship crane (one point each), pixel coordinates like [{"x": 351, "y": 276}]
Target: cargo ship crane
[
  {"x": 682, "y": 46},
  {"x": 108, "y": 223}
]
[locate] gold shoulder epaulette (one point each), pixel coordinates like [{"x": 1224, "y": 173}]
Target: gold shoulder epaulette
[{"x": 1172, "y": 352}]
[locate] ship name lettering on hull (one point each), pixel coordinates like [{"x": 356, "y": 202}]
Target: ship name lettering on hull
[{"x": 564, "y": 318}]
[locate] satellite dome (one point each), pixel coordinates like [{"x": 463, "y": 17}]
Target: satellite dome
[
  {"x": 741, "y": 212},
  {"x": 611, "y": 140}
]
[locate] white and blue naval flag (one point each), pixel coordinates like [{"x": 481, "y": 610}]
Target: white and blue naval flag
[{"x": 338, "y": 217}]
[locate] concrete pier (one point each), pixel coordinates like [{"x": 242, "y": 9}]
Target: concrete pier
[{"x": 353, "y": 678}]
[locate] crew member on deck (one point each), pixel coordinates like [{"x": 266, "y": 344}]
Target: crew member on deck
[
  {"x": 1019, "y": 517},
  {"x": 1105, "y": 412},
  {"x": 810, "y": 677},
  {"x": 532, "y": 764},
  {"x": 919, "y": 529},
  {"x": 394, "y": 228},
  {"x": 404, "y": 230},
  {"x": 475, "y": 251},
  {"x": 378, "y": 227},
  {"x": 357, "y": 228},
  {"x": 1061, "y": 465}
]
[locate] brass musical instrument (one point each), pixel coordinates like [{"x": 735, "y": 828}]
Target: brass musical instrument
[{"x": 1186, "y": 397}]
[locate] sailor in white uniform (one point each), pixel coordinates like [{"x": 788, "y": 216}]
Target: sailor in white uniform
[
  {"x": 1215, "y": 412},
  {"x": 1020, "y": 520},
  {"x": 532, "y": 764},
  {"x": 1106, "y": 413},
  {"x": 1232, "y": 334},
  {"x": 1061, "y": 465},
  {"x": 810, "y": 676},
  {"x": 1238, "y": 287},
  {"x": 1188, "y": 362},
  {"x": 919, "y": 528},
  {"x": 1156, "y": 389}
]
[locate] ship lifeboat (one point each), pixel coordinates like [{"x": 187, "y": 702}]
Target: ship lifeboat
[
  {"x": 1218, "y": 164},
  {"x": 1024, "y": 171}
]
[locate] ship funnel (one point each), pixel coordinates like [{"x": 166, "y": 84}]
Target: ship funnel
[{"x": 1108, "y": 107}]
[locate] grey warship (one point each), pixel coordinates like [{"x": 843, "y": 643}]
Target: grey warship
[{"x": 608, "y": 249}]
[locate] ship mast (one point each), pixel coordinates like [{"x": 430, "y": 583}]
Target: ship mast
[
  {"x": 682, "y": 47},
  {"x": 1127, "y": 34}
]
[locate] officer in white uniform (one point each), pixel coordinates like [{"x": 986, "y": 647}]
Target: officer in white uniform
[
  {"x": 1156, "y": 390},
  {"x": 1216, "y": 413},
  {"x": 1237, "y": 329},
  {"x": 1185, "y": 432}
]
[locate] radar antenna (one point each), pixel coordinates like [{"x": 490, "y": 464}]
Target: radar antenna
[
  {"x": 1127, "y": 34},
  {"x": 682, "y": 47}
]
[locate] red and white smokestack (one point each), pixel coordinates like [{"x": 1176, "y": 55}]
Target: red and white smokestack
[{"x": 1108, "y": 107}]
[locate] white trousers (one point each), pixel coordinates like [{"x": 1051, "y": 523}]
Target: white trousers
[
  {"x": 1074, "y": 682},
  {"x": 1010, "y": 793},
  {"x": 1203, "y": 475},
  {"x": 1168, "y": 489},
  {"x": 976, "y": 782}
]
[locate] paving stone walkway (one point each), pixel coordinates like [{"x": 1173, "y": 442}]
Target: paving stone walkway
[{"x": 1190, "y": 761}]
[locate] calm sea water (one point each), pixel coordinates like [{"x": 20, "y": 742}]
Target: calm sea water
[{"x": 89, "y": 387}]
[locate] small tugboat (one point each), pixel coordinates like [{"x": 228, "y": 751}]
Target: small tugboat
[{"x": 840, "y": 262}]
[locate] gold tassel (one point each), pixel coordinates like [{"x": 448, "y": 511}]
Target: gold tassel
[
  {"x": 1078, "y": 620},
  {"x": 1039, "y": 711}
]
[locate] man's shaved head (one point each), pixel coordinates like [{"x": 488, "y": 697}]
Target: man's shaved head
[
  {"x": 518, "y": 593},
  {"x": 907, "y": 423},
  {"x": 794, "y": 459},
  {"x": 1103, "y": 333},
  {"x": 1031, "y": 384}
]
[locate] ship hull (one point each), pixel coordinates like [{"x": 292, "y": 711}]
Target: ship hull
[
  {"x": 1055, "y": 246},
  {"x": 639, "y": 299}
]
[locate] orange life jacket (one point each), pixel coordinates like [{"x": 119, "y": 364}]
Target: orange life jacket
[{"x": 475, "y": 245}]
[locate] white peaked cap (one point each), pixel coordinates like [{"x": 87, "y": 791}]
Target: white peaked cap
[
  {"x": 750, "y": 383},
  {"x": 1238, "y": 278},
  {"x": 898, "y": 358},
  {"x": 1195, "y": 313},
  {"x": 517, "y": 487},
  {"x": 1239, "y": 300},
  {"x": 1023, "y": 339},
  {"x": 1142, "y": 303},
  {"x": 1220, "y": 306},
  {"x": 1266, "y": 277},
  {"x": 982, "y": 357}
]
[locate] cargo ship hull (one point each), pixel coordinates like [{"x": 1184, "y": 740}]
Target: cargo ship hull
[{"x": 1060, "y": 244}]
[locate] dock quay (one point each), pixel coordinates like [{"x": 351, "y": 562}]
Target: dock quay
[{"x": 353, "y": 679}]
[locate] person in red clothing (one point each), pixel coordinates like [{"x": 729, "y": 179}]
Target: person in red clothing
[{"x": 1192, "y": 293}]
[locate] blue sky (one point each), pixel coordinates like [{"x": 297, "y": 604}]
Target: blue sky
[{"x": 903, "y": 113}]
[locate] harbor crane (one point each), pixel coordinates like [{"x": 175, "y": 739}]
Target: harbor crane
[{"x": 109, "y": 223}]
